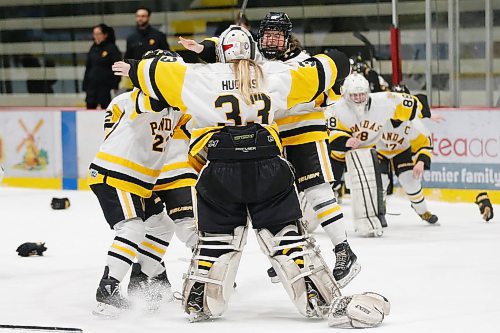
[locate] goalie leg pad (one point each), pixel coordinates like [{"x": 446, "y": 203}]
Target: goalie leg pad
[
  {"x": 358, "y": 311},
  {"x": 159, "y": 232},
  {"x": 366, "y": 191},
  {"x": 214, "y": 265},
  {"x": 298, "y": 263}
]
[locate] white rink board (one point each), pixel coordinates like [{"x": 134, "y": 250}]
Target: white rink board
[{"x": 21, "y": 132}]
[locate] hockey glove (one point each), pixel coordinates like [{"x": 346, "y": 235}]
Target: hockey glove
[
  {"x": 59, "y": 203},
  {"x": 31, "y": 249},
  {"x": 485, "y": 206}
]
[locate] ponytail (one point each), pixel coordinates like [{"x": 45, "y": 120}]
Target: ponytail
[{"x": 249, "y": 76}]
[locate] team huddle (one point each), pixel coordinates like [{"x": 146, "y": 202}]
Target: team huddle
[{"x": 259, "y": 135}]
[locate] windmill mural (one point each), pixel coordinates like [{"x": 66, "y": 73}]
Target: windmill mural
[{"x": 33, "y": 158}]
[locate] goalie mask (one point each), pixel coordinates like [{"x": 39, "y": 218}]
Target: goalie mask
[
  {"x": 235, "y": 43},
  {"x": 275, "y": 31},
  {"x": 355, "y": 91}
]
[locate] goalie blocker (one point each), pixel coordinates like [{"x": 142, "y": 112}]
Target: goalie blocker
[{"x": 365, "y": 182}]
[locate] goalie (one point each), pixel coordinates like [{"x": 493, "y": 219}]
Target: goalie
[{"x": 356, "y": 121}]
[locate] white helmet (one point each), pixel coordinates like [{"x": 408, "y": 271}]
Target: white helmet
[
  {"x": 235, "y": 43},
  {"x": 355, "y": 91}
]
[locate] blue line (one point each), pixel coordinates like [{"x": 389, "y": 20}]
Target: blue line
[{"x": 69, "y": 150}]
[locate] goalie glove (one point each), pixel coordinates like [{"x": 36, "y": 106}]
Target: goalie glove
[
  {"x": 485, "y": 206},
  {"x": 59, "y": 203},
  {"x": 31, "y": 249}
]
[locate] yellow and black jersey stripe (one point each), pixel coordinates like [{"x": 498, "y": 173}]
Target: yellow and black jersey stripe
[
  {"x": 421, "y": 148},
  {"x": 121, "y": 181},
  {"x": 183, "y": 180},
  {"x": 302, "y": 128},
  {"x": 337, "y": 139}
]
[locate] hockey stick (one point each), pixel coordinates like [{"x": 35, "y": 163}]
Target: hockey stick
[
  {"x": 393, "y": 214},
  {"x": 243, "y": 8},
  {"x": 41, "y": 328}
]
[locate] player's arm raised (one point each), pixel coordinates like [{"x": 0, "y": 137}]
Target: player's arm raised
[{"x": 313, "y": 76}]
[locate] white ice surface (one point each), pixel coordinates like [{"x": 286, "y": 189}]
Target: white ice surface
[{"x": 438, "y": 279}]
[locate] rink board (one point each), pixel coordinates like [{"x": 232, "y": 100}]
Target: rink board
[{"x": 52, "y": 148}]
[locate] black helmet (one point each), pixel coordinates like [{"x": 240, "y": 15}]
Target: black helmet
[
  {"x": 359, "y": 65},
  {"x": 400, "y": 88},
  {"x": 275, "y": 21},
  {"x": 159, "y": 53}
]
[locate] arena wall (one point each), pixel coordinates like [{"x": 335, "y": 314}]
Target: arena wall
[{"x": 52, "y": 148}]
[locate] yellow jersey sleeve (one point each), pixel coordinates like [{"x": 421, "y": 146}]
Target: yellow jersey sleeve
[
  {"x": 407, "y": 107},
  {"x": 313, "y": 76},
  {"x": 162, "y": 79}
]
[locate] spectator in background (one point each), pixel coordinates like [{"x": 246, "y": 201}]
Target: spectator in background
[
  {"x": 99, "y": 79},
  {"x": 145, "y": 38}
]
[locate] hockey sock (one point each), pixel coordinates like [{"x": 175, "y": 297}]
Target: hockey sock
[
  {"x": 413, "y": 190},
  {"x": 124, "y": 248},
  {"x": 159, "y": 232},
  {"x": 327, "y": 211}
]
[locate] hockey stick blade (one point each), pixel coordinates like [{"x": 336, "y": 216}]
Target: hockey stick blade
[{"x": 392, "y": 214}]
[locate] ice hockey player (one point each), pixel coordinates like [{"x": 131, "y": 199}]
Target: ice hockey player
[
  {"x": 122, "y": 176},
  {"x": 408, "y": 146},
  {"x": 356, "y": 122},
  {"x": 303, "y": 133},
  {"x": 245, "y": 174}
]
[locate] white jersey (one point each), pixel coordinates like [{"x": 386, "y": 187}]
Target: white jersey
[
  {"x": 179, "y": 169},
  {"x": 305, "y": 122},
  {"x": 209, "y": 92},
  {"x": 343, "y": 122},
  {"x": 132, "y": 154},
  {"x": 409, "y": 134}
]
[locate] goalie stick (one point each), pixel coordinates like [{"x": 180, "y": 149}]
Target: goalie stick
[{"x": 40, "y": 328}]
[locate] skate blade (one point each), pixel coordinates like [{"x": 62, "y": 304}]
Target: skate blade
[
  {"x": 355, "y": 269},
  {"x": 194, "y": 317},
  {"x": 376, "y": 233},
  {"x": 106, "y": 311}
]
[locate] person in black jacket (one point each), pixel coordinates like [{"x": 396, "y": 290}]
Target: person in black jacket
[
  {"x": 99, "y": 79},
  {"x": 145, "y": 38}
]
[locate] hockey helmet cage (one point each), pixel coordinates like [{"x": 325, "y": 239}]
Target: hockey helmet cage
[
  {"x": 275, "y": 21},
  {"x": 235, "y": 43},
  {"x": 356, "y": 90}
]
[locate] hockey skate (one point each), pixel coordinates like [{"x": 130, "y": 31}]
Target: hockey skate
[
  {"x": 346, "y": 266},
  {"x": 159, "y": 291},
  {"x": 194, "y": 304},
  {"x": 429, "y": 217},
  {"x": 110, "y": 302},
  {"x": 154, "y": 291},
  {"x": 317, "y": 305},
  {"x": 138, "y": 281}
]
